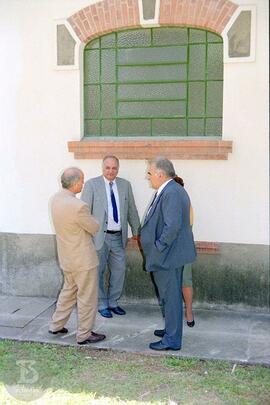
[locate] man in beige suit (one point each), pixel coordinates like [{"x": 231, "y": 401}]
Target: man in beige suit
[{"x": 74, "y": 227}]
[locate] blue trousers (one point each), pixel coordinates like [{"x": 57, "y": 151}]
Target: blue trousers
[{"x": 169, "y": 284}]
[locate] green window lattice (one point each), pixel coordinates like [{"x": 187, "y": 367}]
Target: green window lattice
[{"x": 154, "y": 82}]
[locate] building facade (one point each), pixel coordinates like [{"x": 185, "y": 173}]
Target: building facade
[{"x": 138, "y": 78}]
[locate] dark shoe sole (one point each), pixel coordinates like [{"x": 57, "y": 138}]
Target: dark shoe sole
[
  {"x": 191, "y": 323},
  {"x": 160, "y": 349},
  {"x": 159, "y": 333},
  {"x": 63, "y": 331}
]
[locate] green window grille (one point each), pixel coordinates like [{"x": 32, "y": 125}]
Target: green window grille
[{"x": 154, "y": 82}]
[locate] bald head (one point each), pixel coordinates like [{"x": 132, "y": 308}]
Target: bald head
[{"x": 72, "y": 179}]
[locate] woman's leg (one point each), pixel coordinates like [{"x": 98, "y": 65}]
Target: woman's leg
[
  {"x": 187, "y": 296},
  {"x": 187, "y": 292}
]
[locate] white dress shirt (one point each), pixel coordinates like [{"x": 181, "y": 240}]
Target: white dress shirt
[
  {"x": 112, "y": 225},
  {"x": 162, "y": 186}
]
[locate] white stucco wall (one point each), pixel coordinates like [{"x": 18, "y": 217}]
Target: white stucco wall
[{"x": 40, "y": 113}]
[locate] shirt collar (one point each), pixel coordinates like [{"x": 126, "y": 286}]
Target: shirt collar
[
  {"x": 163, "y": 186},
  {"x": 109, "y": 181}
]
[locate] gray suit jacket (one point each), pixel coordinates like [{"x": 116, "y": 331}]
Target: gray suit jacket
[
  {"x": 94, "y": 194},
  {"x": 166, "y": 235}
]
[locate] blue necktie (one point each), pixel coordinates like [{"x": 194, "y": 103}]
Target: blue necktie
[{"x": 114, "y": 206}]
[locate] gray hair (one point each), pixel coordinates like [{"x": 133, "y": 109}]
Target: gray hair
[
  {"x": 110, "y": 157},
  {"x": 70, "y": 177},
  {"x": 165, "y": 165}
]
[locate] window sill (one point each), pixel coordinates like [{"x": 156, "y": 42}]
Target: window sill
[{"x": 147, "y": 148}]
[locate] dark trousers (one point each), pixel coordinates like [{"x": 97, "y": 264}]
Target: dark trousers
[{"x": 169, "y": 284}]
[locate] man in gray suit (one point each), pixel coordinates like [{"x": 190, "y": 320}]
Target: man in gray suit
[
  {"x": 111, "y": 201},
  {"x": 167, "y": 242}
]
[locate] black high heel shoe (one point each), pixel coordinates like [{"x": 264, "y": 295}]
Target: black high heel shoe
[{"x": 191, "y": 323}]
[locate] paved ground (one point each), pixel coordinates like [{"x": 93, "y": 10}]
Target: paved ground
[{"x": 218, "y": 334}]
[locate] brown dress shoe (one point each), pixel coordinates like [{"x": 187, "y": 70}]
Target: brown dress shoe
[{"x": 93, "y": 338}]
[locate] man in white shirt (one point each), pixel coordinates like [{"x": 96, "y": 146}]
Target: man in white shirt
[{"x": 111, "y": 202}]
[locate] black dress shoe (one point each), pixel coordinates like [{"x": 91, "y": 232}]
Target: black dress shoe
[
  {"x": 161, "y": 346},
  {"x": 191, "y": 323},
  {"x": 118, "y": 311},
  {"x": 93, "y": 338},
  {"x": 159, "y": 332},
  {"x": 63, "y": 330},
  {"x": 106, "y": 313}
]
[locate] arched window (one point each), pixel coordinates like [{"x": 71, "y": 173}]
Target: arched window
[{"x": 154, "y": 82}]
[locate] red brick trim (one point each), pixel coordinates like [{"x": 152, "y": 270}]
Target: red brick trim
[
  {"x": 202, "y": 247},
  {"x": 113, "y": 15},
  {"x": 207, "y": 14},
  {"x": 204, "y": 149},
  {"x": 212, "y": 248},
  {"x": 105, "y": 16}
]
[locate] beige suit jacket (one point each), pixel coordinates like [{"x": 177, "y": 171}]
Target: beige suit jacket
[{"x": 74, "y": 227}]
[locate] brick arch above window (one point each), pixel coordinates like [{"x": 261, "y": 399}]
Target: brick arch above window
[
  {"x": 208, "y": 14},
  {"x": 113, "y": 15},
  {"x": 105, "y": 16}
]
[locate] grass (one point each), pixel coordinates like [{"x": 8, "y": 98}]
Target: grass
[{"x": 68, "y": 375}]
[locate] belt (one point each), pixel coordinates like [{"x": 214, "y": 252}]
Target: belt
[{"x": 113, "y": 232}]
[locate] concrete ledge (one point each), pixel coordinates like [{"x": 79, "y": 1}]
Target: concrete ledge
[
  {"x": 199, "y": 149},
  {"x": 235, "y": 275},
  {"x": 241, "y": 337}
]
